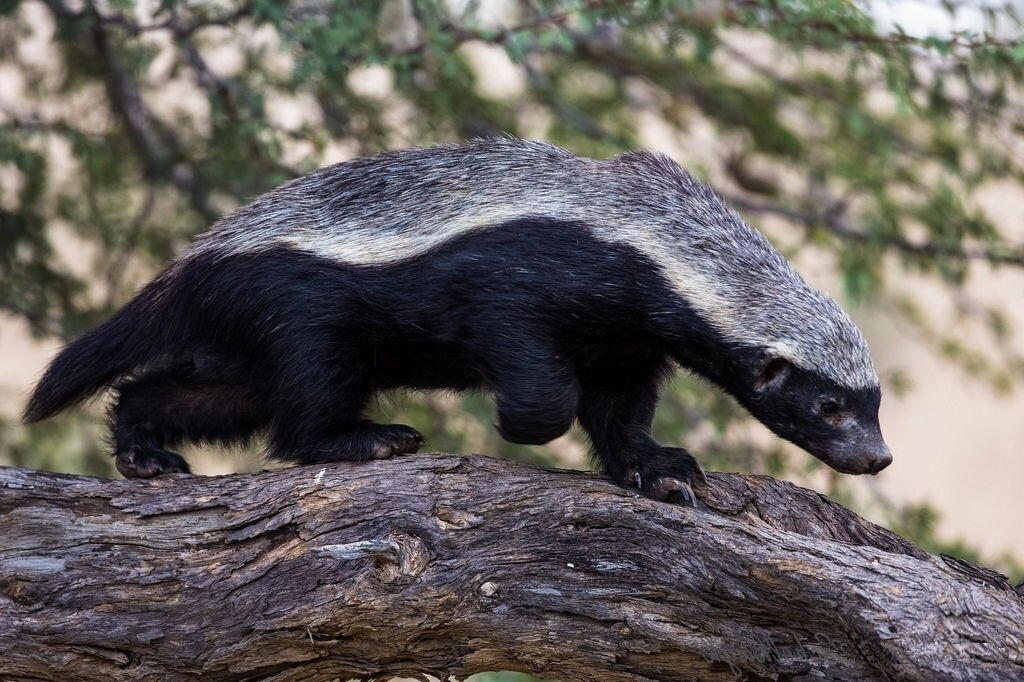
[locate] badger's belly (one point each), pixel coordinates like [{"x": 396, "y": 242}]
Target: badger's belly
[{"x": 422, "y": 363}]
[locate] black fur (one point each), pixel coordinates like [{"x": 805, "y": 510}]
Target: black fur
[{"x": 557, "y": 324}]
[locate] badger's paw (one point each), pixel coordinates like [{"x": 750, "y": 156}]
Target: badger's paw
[
  {"x": 667, "y": 476},
  {"x": 387, "y": 440},
  {"x": 364, "y": 442},
  {"x": 140, "y": 462}
]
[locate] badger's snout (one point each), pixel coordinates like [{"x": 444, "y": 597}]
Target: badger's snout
[
  {"x": 869, "y": 460},
  {"x": 877, "y": 461}
]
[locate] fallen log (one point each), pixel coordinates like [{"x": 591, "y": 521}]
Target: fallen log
[{"x": 450, "y": 565}]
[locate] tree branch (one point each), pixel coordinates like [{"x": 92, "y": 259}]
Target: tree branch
[
  {"x": 451, "y": 565},
  {"x": 157, "y": 148}
]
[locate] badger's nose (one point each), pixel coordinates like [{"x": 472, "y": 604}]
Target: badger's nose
[{"x": 879, "y": 460}]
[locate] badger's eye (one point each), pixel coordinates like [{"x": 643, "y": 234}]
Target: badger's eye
[{"x": 830, "y": 408}]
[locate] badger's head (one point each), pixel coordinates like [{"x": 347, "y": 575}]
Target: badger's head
[
  {"x": 739, "y": 315},
  {"x": 811, "y": 381},
  {"x": 836, "y": 423}
]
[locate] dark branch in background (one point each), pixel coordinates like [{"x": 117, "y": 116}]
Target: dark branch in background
[
  {"x": 461, "y": 34},
  {"x": 231, "y": 97},
  {"x": 158, "y": 150},
  {"x": 737, "y": 13},
  {"x": 743, "y": 13},
  {"x": 209, "y": 80},
  {"x": 444, "y": 565},
  {"x": 978, "y": 107},
  {"x": 126, "y": 102},
  {"x": 830, "y": 220},
  {"x": 579, "y": 119},
  {"x": 35, "y": 123},
  {"x": 963, "y": 41}
]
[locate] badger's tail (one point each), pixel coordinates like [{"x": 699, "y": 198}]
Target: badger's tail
[{"x": 136, "y": 334}]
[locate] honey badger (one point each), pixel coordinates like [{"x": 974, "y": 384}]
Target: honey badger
[{"x": 568, "y": 287}]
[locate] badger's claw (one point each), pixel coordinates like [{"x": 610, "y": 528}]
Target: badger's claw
[
  {"x": 668, "y": 489},
  {"x": 666, "y": 475}
]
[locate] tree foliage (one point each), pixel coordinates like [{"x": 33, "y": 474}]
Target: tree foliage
[{"x": 130, "y": 127}]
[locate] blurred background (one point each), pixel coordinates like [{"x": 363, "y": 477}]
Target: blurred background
[{"x": 879, "y": 145}]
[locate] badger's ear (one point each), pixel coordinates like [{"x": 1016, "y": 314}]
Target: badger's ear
[{"x": 773, "y": 374}]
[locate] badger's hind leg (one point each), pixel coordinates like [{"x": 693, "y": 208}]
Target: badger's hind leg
[
  {"x": 616, "y": 410},
  {"x": 206, "y": 402},
  {"x": 318, "y": 405}
]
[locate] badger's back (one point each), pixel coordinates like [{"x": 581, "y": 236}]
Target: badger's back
[{"x": 400, "y": 205}]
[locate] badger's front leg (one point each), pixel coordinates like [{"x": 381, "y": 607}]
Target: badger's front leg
[{"x": 616, "y": 410}]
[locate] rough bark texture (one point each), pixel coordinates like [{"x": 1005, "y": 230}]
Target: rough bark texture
[{"x": 452, "y": 565}]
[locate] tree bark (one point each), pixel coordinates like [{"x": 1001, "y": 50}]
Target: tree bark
[{"x": 447, "y": 565}]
